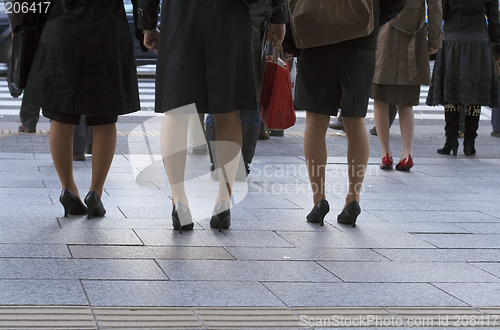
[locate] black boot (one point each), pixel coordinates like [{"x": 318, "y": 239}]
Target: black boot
[
  {"x": 210, "y": 134},
  {"x": 263, "y": 132},
  {"x": 250, "y": 135},
  {"x": 471, "y": 125},
  {"x": 452, "y": 117}
]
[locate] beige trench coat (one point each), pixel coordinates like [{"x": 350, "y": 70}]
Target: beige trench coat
[{"x": 402, "y": 46}]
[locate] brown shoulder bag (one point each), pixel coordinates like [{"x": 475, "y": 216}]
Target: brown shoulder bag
[{"x": 326, "y": 22}]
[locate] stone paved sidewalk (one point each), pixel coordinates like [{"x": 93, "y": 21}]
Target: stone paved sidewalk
[{"x": 427, "y": 242}]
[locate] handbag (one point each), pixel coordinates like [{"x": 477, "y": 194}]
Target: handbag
[
  {"x": 24, "y": 44},
  {"x": 276, "y": 100},
  {"x": 326, "y": 22}
]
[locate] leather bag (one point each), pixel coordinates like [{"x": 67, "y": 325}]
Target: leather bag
[
  {"x": 326, "y": 22},
  {"x": 24, "y": 44}
]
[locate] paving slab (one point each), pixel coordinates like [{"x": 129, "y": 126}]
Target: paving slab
[
  {"x": 353, "y": 238},
  {"x": 490, "y": 267},
  {"x": 415, "y": 227},
  {"x": 49, "y": 235},
  {"x": 246, "y": 271},
  {"x": 362, "y": 294},
  {"x": 305, "y": 254},
  {"x": 481, "y": 228},
  {"x": 42, "y": 292},
  {"x": 470, "y": 241},
  {"x": 437, "y": 216},
  {"x": 474, "y": 294},
  {"x": 410, "y": 272},
  {"x": 148, "y": 252},
  {"x": 440, "y": 255},
  {"x": 77, "y": 269},
  {"x": 179, "y": 293},
  {"x": 34, "y": 251},
  {"x": 210, "y": 237}
]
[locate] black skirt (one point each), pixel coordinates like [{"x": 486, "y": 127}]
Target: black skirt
[
  {"x": 463, "y": 72},
  {"x": 205, "y": 57},
  {"x": 335, "y": 77},
  {"x": 85, "y": 63}
]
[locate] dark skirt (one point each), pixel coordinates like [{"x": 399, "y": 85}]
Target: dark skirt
[
  {"x": 335, "y": 77},
  {"x": 85, "y": 63},
  {"x": 401, "y": 95},
  {"x": 205, "y": 57},
  {"x": 463, "y": 72}
]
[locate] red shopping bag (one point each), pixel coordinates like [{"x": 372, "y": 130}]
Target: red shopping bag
[{"x": 276, "y": 99}]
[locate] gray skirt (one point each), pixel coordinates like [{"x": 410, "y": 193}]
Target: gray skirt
[
  {"x": 464, "y": 72},
  {"x": 401, "y": 95}
]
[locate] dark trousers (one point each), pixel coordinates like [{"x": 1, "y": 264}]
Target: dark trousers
[
  {"x": 495, "y": 117},
  {"x": 82, "y": 137}
]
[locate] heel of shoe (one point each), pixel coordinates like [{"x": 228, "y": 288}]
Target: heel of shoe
[
  {"x": 469, "y": 149},
  {"x": 182, "y": 212},
  {"x": 318, "y": 212},
  {"x": 450, "y": 146},
  {"x": 94, "y": 205},
  {"x": 405, "y": 164},
  {"x": 89, "y": 212},
  {"x": 349, "y": 214},
  {"x": 71, "y": 203},
  {"x": 221, "y": 216},
  {"x": 387, "y": 162}
]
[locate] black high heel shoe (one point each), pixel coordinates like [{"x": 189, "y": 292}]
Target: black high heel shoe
[
  {"x": 317, "y": 214},
  {"x": 71, "y": 203},
  {"x": 94, "y": 205},
  {"x": 349, "y": 214},
  {"x": 221, "y": 216},
  {"x": 182, "y": 212},
  {"x": 451, "y": 145}
]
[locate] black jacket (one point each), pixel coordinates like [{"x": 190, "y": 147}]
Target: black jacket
[
  {"x": 147, "y": 12},
  {"x": 469, "y": 17}
]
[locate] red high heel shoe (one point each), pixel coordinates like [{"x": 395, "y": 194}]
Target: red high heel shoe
[
  {"x": 405, "y": 164},
  {"x": 386, "y": 162}
]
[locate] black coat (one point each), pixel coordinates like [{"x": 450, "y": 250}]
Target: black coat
[
  {"x": 84, "y": 63},
  {"x": 205, "y": 54}
]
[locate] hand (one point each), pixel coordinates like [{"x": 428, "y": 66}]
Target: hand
[
  {"x": 151, "y": 40},
  {"x": 276, "y": 32},
  {"x": 432, "y": 50}
]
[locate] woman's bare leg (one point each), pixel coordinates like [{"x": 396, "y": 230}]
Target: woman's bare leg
[
  {"x": 358, "y": 151},
  {"x": 103, "y": 151},
  {"x": 382, "y": 122},
  {"x": 407, "y": 126},
  {"x": 61, "y": 149},
  {"x": 228, "y": 139},
  {"x": 174, "y": 150},
  {"x": 315, "y": 152}
]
